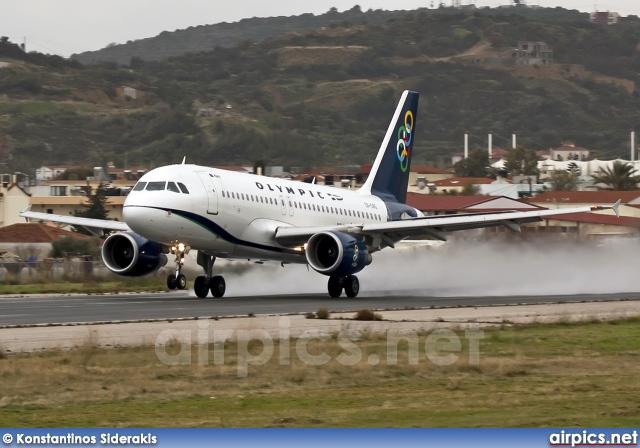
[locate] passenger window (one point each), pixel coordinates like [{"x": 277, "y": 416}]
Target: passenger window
[
  {"x": 223, "y": 194},
  {"x": 140, "y": 186},
  {"x": 183, "y": 188},
  {"x": 156, "y": 186},
  {"x": 171, "y": 186}
]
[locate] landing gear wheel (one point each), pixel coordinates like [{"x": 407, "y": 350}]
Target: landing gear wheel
[
  {"x": 351, "y": 286},
  {"x": 181, "y": 281},
  {"x": 171, "y": 282},
  {"x": 218, "y": 286},
  {"x": 201, "y": 286},
  {"x": 334, "y": 286}
]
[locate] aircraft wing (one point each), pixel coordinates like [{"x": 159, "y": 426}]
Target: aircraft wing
[
  {"x": 75, "y": 220},
  {"x": 430, "y": 226}
]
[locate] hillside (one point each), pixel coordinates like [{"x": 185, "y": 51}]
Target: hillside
[
  {"x": 325, "y": 97},
  {"x": 207, "y": 37}
]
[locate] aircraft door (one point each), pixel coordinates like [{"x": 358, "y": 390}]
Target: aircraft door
[
  {"x": 212, "y": 194},
  {"x": 290, "y": 206},
  {"x": 283, "y": 205}
]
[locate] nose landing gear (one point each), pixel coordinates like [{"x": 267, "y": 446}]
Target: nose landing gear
[{"x": 178, "y": 280}]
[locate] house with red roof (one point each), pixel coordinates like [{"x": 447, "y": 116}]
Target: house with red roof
[
  {"x": 591, "y": 225},
  {"x": 569, "y": 151},
  {"x": 30, "y": 239},
  {"x": 575, "y": 225},
  {"x": 630, "y": 205}
]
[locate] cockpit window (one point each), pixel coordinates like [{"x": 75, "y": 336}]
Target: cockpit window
[
  {"x": 183, "y": 188},
  {"x": 171, "y": 186},
  {"x": 155, "y": 186},
  {"x": 140, "y": 186}
]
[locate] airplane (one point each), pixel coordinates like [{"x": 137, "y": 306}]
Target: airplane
[{"x": 224, "y": 214}]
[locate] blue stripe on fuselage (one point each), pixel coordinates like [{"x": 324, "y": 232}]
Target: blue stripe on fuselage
[{"x": 219, "y": 231}]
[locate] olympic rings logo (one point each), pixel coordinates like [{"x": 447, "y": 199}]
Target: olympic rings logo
[
  {"x": 405, "y": 136},
  {"x": 355, "y": 255}
]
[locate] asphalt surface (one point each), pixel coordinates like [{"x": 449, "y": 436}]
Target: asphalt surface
[{"x": 126, "y": 307}]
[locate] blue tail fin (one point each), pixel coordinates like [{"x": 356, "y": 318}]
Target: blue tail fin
[{"x": 389, "y": 175}]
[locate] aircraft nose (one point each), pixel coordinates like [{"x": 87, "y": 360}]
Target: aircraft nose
[{"x": 133, "y": 215}]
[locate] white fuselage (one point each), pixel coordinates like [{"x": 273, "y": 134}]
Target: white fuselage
[{"x": 235, "y": 215}]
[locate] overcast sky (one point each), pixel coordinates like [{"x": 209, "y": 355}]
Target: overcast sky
[{"x": 72, "y": 26}]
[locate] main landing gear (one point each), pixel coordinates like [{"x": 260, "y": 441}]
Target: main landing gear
[
  {"x": 208, "y": 282},
  {"x": 350, "y": 284},
  {"x": 178, "y": 280},
  {"x": 203, "y": 283}
]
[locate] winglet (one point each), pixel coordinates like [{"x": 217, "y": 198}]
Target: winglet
[
  {"x": 27, "y": 209},
  {"x": 615, "y": 207}
]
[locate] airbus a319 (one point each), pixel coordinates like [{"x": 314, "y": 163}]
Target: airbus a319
[{"x": 225, "y": 214}]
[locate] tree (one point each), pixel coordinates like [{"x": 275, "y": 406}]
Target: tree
[
  {"x": 618, "y": 177},
  {"x": 69, "y": 246},
  {"x": 573, "y": 168},
  {"x": 95, "y": 208},
  {"x": 522, "y": 161},
  {"x": 470, "y": 189},
  {"x": 476, "y": 165},
  {"x": 79, "y": 173},
  {"x": 564, "y": 181}
]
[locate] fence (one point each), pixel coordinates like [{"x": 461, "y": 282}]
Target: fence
[{"x": 56, "y": 269}]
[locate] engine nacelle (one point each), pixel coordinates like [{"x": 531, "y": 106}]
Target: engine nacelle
[
  {"x": 129, "y": 254},
  {"x": 335, "y": 253}
]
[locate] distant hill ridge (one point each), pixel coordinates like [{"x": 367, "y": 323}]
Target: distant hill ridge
[{"x": 207, "y": 37}]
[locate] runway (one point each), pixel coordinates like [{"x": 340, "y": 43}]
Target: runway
[{"x": 30, "y": 310}]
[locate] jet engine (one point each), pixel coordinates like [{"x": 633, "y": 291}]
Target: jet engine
[
  {"x": 129, "y": 254},
  {"x": 336, "y": 253}
]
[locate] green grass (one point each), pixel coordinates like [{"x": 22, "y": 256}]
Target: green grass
[
  {"x": 538, "y": 375},
  {"x": 91, "y": 285}
]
